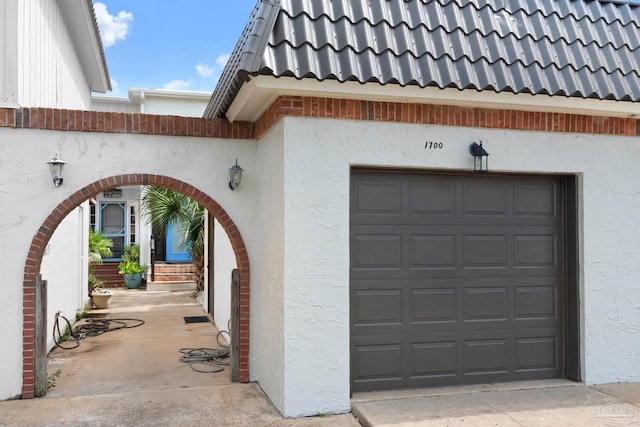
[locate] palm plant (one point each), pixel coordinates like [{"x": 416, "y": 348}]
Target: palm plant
[
  {"x": 99, "y": 247},
  {"x": 161, "y": 206}
]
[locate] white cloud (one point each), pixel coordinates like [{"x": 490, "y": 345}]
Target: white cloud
[
  {"x": 115, "y": 88},
  {"x": 222, "y": 60},
  {"x": 204, "y": 70},
  {"x": 112, "y": 28},
  {"x": 178, "y": 85}
]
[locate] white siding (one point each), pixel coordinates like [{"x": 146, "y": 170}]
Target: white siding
[
  {"x": 8, "y": 53},
  {"x": 50, "y": 74}
]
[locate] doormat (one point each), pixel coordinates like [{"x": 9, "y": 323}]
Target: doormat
[{"x": 196, "y": 319}]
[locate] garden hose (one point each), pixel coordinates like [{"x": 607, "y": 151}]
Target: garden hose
[
  {"x": 90, "y": 328},
  {"x": 205, "y": 356}
]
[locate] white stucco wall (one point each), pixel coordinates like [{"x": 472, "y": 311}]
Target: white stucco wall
[
  {"x": 224, "y": 263},
  {"x": 293, "y": 212},
  {"x": 319, "y": 154},
  {"x": 65, "y": 269},
  {"x": 26, "y": 185},
  {"x": 267, "y": 310}
]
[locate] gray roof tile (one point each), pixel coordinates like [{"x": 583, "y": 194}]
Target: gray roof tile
[{"x": 573, "y": 48}]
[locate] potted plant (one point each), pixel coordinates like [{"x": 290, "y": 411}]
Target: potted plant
[
  {"x": 130, "y": 267},
  {"x": 99, "y": 246}
]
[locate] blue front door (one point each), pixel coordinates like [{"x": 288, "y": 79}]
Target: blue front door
[{"x": 176, "y": 252}]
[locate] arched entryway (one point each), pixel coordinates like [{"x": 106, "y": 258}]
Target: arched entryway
[{"x": 46, "y": 230}]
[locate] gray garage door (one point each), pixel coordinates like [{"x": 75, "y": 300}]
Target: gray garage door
[{"x": 454, "y": 279}]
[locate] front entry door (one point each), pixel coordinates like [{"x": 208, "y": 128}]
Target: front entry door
[{"x": 175, "y": 249}]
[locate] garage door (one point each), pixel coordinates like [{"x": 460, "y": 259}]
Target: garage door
[{"x": 454, "y": 279}]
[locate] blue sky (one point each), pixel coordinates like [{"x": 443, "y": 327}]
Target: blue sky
[{"x": 162, "y": 44}]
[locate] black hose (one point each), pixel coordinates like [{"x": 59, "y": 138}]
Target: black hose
[
  {"x": 205, "y": 356},
  {"x": 90, "y": 328}
]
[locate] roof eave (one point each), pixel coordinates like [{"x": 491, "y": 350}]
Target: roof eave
[
  {"x": 81, "y": 21},
  {"x": 257, "y": 95},
  {"x": 245, "y": 58}
]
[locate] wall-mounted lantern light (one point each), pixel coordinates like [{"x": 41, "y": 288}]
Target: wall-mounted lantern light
[
  {"x": 480, "y": 158},
  {"x": 56, "y": 165},
  {"x": 235, "y": 176}
]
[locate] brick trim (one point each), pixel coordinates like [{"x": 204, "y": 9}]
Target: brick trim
[
  {"x": 446, "y": 115},
  {"x": 110, "y": 122},
  {"x": 314, "y": 107},
  {"x": 46, "y": 230}
]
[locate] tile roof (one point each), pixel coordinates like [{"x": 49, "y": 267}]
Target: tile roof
[{"x": 569, "y": 48}]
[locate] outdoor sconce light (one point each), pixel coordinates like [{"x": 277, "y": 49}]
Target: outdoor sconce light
[
  {"x": 56, "y": 165},
  {"x": 235, "y": 176},
  {"x": 480, "y": 158}
]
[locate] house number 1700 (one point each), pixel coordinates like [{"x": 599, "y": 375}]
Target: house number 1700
[{"x": 430, "y": 145}]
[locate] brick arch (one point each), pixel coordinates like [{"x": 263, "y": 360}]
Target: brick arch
[{"x": 48, "y": 227}]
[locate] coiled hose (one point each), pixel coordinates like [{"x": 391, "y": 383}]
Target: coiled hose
[{"x": 90, "y": 328}]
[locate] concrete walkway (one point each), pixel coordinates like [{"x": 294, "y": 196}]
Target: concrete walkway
[
  {"x": 133, "y": 377},
  {"x": 534, "y": 403}
]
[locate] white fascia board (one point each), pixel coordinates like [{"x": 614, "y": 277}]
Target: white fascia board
[
  {"x": 165, "y": 93},
  {"x": 247, "y": 105},
  {"x": 79, "y": 18}
]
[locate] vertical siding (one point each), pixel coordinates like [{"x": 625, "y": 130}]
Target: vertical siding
[
  {"x": 48, "y": 65},
  {"x": 8, "y": 52}
]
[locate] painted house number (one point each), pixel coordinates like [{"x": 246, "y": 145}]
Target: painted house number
[{"x": 431, "y": 145}]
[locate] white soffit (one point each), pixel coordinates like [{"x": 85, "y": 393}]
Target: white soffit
[
  {"x": 258, "y": 94},
  {"x": 79, "y": 16}
]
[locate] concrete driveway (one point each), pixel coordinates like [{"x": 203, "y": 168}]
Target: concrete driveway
[
  {"x": 535, "y": 403},
  {"x": 133, "y": 377}
]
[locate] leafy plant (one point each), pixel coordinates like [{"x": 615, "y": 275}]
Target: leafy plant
[
  {"x": 51, "y": 379},
  {"x": 162, "y": 206},
  {"x": 131, "y": 261},
  {"x": 131, "y": 267},
  {"x": 99, "y": 247},
  {"x": 131, "y": 253}
]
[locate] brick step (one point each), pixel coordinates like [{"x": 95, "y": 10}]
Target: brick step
[
  {"x": 174, "y": 273},
  {"x": 178, "y": 285},
  {"x": 175, "y": 268},
  {"x": 108, "y": 273}
]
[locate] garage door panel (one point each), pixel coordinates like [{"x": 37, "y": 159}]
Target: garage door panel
[
  {"x": 377, "y": 251},
  {"x": 378, "y": 197},
  {"x": 408, "y": 360},
  {"x": 486, "y": 303},
  {"x": 485, "y": 251},
  {"x": 486, "y": 356},
  {"x": 433, "y": 305},
  {"x": 536, "y": 251},
  {"x": 438, "y": 198},
  {"x": 460, "y": 282},
  {"x": 537, "y": 354},
  {"x": 536, "y": 302},
  {"x": 536, "y": 200},
  {"x": 432, "y": 251},
  {"x": 379, "y": 364},
  {"x": 484, "y": 199},
  {"x": 379, "y": 307},
  {"x": 433, "y": 359}
]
